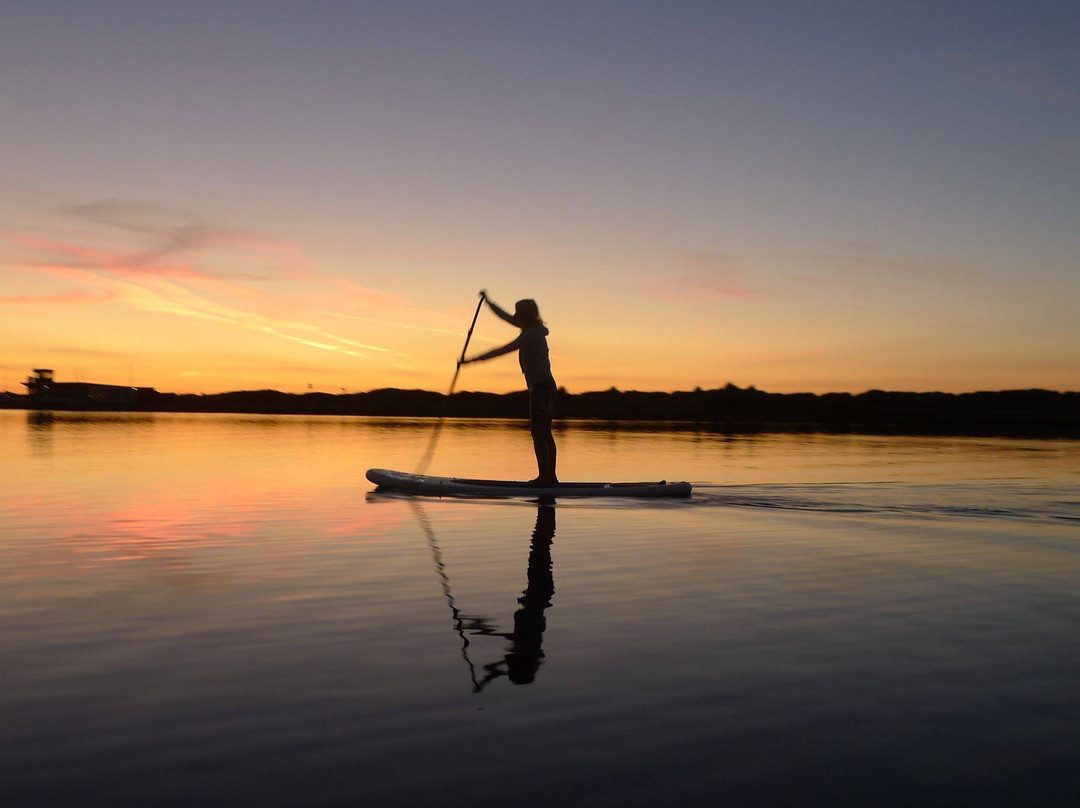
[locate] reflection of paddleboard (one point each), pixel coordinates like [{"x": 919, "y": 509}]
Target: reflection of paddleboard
[{"x": 454, "y": 486}]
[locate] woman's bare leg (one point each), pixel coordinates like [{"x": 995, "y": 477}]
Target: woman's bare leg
[
  {"x": 544, "y": 447},
  {"x": 552, "y": 455}
]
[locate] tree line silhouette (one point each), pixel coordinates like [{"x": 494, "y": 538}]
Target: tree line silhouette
[{"x": 1034, "y": 412}]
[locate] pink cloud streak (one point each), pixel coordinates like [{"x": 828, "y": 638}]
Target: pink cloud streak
[
  {"x": 166, "y": 279},
  {"x": 700, "y": 274}
]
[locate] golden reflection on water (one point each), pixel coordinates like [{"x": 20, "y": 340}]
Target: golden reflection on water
[
  {"x": 113, "y": 488},
  {"x": 229, "y": 586}
]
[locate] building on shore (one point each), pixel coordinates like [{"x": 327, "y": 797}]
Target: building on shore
[{"x": 45, "y": 393}]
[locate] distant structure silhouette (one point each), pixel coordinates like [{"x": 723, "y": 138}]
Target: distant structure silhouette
[
  {"x": 44, "y": 392},
  {"x": 531, "y": 345}
]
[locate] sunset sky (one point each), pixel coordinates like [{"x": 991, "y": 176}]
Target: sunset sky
[{"x": 208, "y": 196}]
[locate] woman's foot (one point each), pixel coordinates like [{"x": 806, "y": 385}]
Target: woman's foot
[{"x": 544, "y": 481}]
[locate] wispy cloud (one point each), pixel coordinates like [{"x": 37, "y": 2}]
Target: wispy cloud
[
  {"x": 701, "y": 274},
  {"x": 72, "y": 351},
  {"x": 781, "y": 358},
  {"x": 164, "y": 296},
  {"x": 1029, "y": 80},
  {"x": 853, "y": 257},
  {"x": 159, "y": 260},
  {"x": 1067, "y": 146},
  {"x": 395, "y": 324},
  {"x": 57, "y": 299}
]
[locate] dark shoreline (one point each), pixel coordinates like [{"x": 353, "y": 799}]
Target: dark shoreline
[{"x": 1034, "y": 413}]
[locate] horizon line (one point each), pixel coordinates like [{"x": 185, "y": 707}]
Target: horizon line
[{"x": 563, "y": 390}]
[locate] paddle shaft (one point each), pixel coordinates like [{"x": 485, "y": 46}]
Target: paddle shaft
[
  {"x": 465, "y": 347},
  {"x": 429, "y": 453}
]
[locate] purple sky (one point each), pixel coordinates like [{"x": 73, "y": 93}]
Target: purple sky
[{"x": 794, "y": 195}]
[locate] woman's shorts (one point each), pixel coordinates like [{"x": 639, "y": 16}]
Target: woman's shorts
[{"x": 542, "y": 401}]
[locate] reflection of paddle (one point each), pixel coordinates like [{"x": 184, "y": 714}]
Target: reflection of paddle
[
  {"x": 523, "y": 659},
  {"x": 429, "y": 453},
  {"x": 444, "y": 580}
]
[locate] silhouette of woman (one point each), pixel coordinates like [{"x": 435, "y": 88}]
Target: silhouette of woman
[{"x": 531, "y": 345}]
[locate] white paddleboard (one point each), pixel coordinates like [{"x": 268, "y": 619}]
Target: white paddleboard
[{"x": 460, "y": 487}]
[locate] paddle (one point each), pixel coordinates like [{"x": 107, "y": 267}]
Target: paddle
[
  {"x": 465, "y": 347},
  {"x": 444, "y": 581},
  {"x": 429, "y": 453}
]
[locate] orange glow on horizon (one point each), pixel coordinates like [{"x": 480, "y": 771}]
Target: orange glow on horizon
[{"x": 232, "y": 311}]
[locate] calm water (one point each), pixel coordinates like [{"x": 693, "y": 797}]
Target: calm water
[{"x": 215, "y": 610}]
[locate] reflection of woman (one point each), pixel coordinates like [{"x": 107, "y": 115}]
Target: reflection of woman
[{"x": 523, "y": 658}]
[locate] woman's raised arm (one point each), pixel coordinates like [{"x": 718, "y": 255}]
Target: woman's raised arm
[{"x": 500, "y": 312}]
